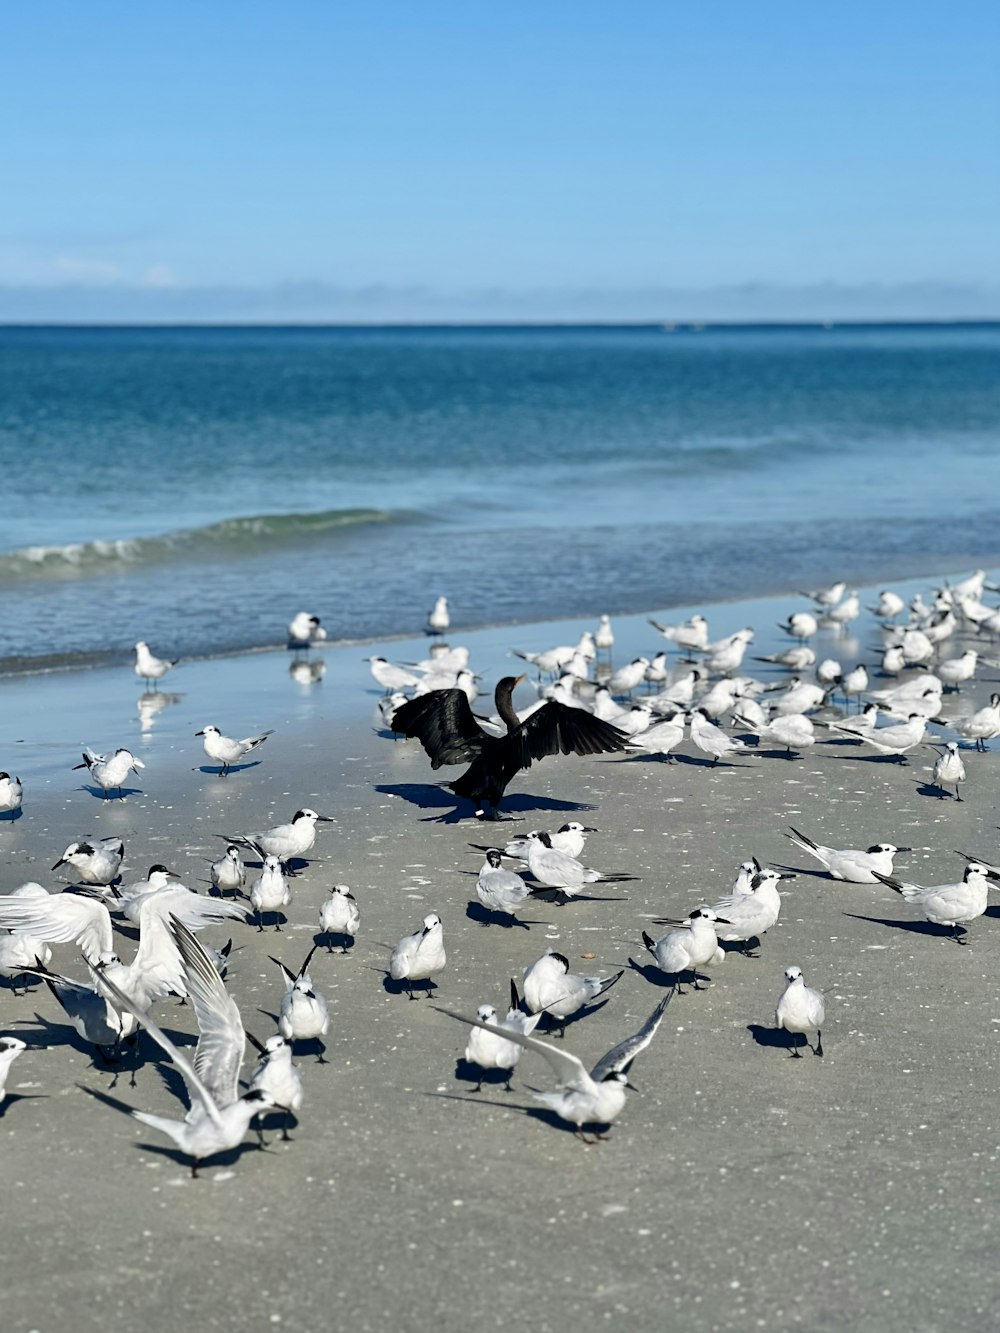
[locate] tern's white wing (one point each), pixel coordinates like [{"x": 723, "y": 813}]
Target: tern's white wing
[
  {"x": 157, "y": 965},
  {"x": 195, "y": 910},
  {"x": 568, "y": 1068},
  {"x": 222, "y": 1039},
  {"x": 196, "y": 1089},
  {"x": 61, "y": 918},
  {"x": 622, "y": 1055}
]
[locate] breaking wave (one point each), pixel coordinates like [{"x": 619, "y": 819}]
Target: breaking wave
[{"x": 231, "y": 536}]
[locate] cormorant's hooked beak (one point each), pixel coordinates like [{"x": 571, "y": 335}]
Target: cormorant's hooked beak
[{"x": 518, "y": 679}]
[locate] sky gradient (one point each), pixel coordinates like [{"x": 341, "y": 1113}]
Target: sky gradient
[{"x": 436, "y": 160}]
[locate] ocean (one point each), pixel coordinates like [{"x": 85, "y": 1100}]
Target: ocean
[{"x": 196, "y": 487}]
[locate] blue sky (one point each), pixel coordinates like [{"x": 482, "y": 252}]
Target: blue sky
[{"x": 412, "y": 159}]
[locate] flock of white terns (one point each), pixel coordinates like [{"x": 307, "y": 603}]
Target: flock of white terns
[{"x": 112, "y": 1002}]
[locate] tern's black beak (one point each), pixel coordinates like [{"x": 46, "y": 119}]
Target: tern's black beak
[
  {"x": 199, "y": 733},
  {"x": 59, "y": 863},
  {"x": 632, "y": 1086},
  {"x": 721, "y": 921},
  {"x": 325, "y": 819},
  {"x": 907, "y": 849}
]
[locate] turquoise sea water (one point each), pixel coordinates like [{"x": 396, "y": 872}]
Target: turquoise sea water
[{"x": 197, "y": 487}]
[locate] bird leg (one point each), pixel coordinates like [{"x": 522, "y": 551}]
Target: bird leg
[
  {"x": 958, "y": 934},
  {"x": 796, "y": 1053},
  {"x": 958, "y": 794},
  {"x": 285, "y": 1136},
  {"x": 194, "y": 1168},
  {"x": 818, "y": 1048},
  {"x": 321, "y": 1057}
]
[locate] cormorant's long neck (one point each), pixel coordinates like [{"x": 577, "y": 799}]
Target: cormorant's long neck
[{"x": 503, "y": 698}]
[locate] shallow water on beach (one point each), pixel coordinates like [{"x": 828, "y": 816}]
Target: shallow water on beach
[{"x": 197, "y": 487}]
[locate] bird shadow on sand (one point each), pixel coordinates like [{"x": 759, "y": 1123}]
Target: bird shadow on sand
[
  {"x": 229, "y": 1158},
  {"x": 9, "y": 816},
  {"x": 425, "y": 988},
  {"x": 933, "y": 790},
  {"x": 484, "y": 917},
  {"x": 899, "y": 760},
  {"x": 466, "y": 1071},
  {"x": 22, "y": 984},
  {"x": 13, "y": 1097},
  {"x": 646, "y": 758},
  {"x": 556, "y": 1027},
  {"x": 697, "y": 761},
  {"x": 334, "y": 941},
  {"x": 113, "y": 795},
  {"x": 429, "y": 797},
  {"x": 813, "y": 872},
  {"x": 772, "y": 1037},
  {"x": 916, "y": 927},
  {"x": 215, "y": 770},
  {"x": 671, "y": 980},
  {"x": 541, "y": 1113},
  {"x": 62, "y": 1034}
]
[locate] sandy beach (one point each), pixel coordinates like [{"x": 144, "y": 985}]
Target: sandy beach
[{"x": 739, "y": 1189}]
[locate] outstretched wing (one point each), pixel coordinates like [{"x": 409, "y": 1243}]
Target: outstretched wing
[
  {"x": 556, "y": 728},
  {"x": 566, "y": 1066},
  {"x": 197, "y": 1091},
  {"x": 622, "y": 1055},
  {"x": 59, "y": 918},
  {"x": 443, "y": 723},
  {"x": 221, "y": 1039}
]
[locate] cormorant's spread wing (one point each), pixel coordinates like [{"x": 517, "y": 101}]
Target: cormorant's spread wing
[
  {"x": 443, "y": 723},
  {"x": 557, "y": 728},
  {"x": 622, "y": 1055}
]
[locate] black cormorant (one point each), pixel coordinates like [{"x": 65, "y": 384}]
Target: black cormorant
[{"x": 444, "y": 724}]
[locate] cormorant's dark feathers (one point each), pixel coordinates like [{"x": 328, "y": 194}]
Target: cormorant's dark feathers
[{"x": 446, "y": 727}]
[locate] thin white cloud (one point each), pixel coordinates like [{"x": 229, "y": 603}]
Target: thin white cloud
[
  {"x": 159, "y": 276},
  {"x": 78, "y": 268}
]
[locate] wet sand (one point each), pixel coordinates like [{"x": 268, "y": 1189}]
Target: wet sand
[{"x": 739, "y": 1189}]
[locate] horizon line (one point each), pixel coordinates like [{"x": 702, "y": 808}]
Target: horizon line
[{"x": 664, "y": 325}]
